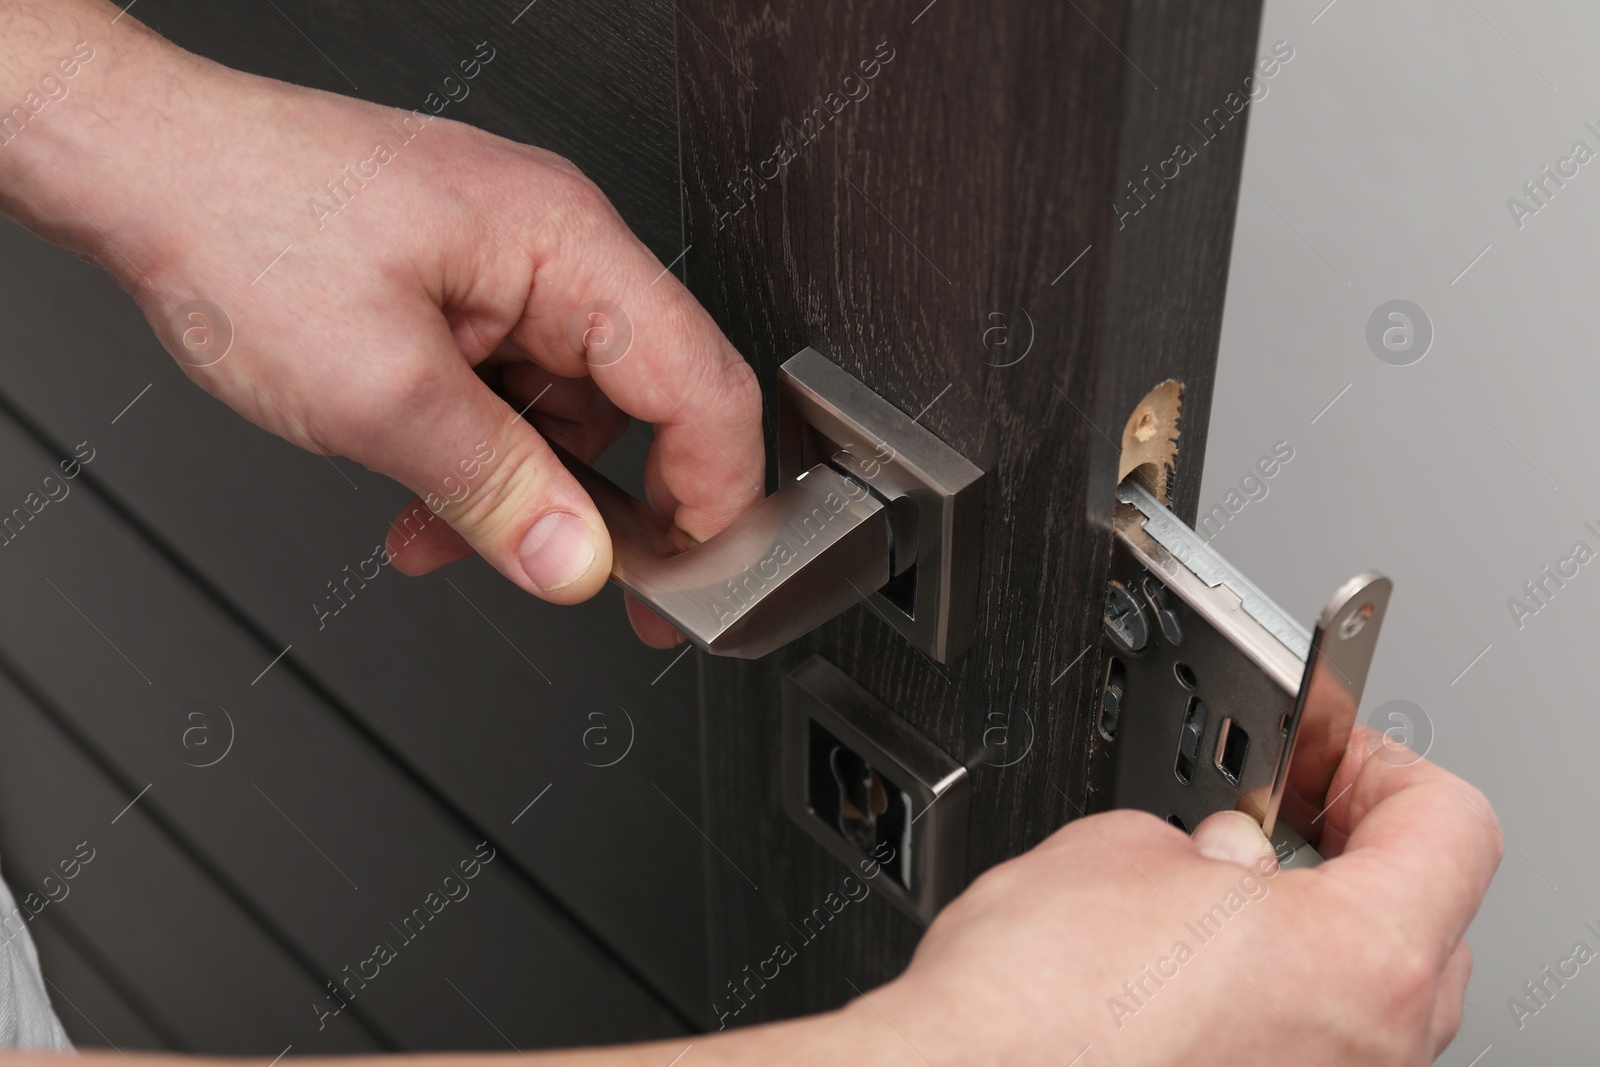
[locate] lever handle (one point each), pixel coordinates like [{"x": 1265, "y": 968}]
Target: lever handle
[{"x": 803, "y": 555}]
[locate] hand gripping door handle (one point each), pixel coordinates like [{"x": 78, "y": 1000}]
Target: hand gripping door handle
[
  {"x": 804, "y": 554},
  {"x": 873, "y": 507}
]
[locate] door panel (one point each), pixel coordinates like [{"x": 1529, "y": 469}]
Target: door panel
[
  {"x": 481, "y": 696},
  {"x": 967, "y": 187},
  {"x": 139, "y": 945},
  {"x": 324, "y": 845},
  {"x": 92, "y": 1011}
]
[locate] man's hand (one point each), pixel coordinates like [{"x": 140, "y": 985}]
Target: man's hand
[
  {"x": 353, "y": 278},
  {"x": 368, "y": 326},
  {"x": 1122, "y": 935}
]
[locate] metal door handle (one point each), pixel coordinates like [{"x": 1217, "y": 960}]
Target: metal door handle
[
  {"x": 817, "y": 546},
  {"x": 873, "y": 507}
]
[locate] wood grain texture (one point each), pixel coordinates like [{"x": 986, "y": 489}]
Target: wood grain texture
[{"x": 981, "y": 164}]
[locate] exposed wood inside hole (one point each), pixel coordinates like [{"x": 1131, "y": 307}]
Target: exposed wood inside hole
[{"x": 1150, "y": 439}]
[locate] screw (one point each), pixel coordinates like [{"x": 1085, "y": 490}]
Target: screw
[{"x": 1124, "y": 619}]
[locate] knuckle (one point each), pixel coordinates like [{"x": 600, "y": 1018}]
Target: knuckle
[
  {"x": 1398, "y": 1002},
  {"x": 493, "y": 500},
  {"x": 726, "y": 387},
  {"x": 679, "y": 330},
  {"x": 1392, "y": 973},
  {"x": 1410, "y": 985},
  {"x": 554, "y": 160},
  {"x": 1477, "y": 799},
  {"x": 1399, "y": 984},
  {"x": 741, "y": 389},
  {"x": 400, "y": 396},
  {"x": 371, "y": 407},
  {"x": 1447, "y": 1023},
  {"x": 577, "y": 204},
  {"x": 1124, "y": 823},
  {"x": 998, "y": 883}
]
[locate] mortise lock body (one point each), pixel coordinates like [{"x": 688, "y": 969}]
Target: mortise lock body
[
  {"x": 872, "y": 508},
  {"x": 1213, "y": 697}
]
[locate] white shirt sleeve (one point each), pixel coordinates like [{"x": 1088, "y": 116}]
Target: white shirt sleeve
[{"x": 27, "y": 1021}]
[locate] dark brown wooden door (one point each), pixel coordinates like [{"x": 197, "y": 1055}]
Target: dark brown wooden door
[
  {"x": 923, "y": 192},
  {"x": 889, "y": 183}
]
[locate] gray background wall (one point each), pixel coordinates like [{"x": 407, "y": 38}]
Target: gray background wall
[{"x": 1379, "y": 167}]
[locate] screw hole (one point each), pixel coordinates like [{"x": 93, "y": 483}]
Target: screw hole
[
  {"x": 1232, "y": 746},
  {"x": 1194, "y": 728},
  {"x": 1356, "y": 621},
  {"x": 1174, "y": 820},
  {"x": 1185, "y": 675}
]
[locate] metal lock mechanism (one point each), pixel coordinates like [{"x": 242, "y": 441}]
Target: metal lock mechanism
[
  {"x": 872, "y": 790},
  {"x": 1212, "y": 697},
  {"x": 872, "y": 508}
]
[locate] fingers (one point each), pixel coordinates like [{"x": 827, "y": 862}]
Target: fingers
[
  {"x": 1124, "y": 840},
  {"x": 575, "y": 414},
  {"x": 1234, "y": 837},
  {"x": 652, "y": 629},
  {"x": 441, "y": 431},
  {"x": 572, "y": 412},
  {"x": 419, "y": 542},
  {"x": 418, "y": 546},
  {"x": 1418, "y": 838},
  {"x": 1452, "y": 994},
  {"x": 602, "y": 306}
]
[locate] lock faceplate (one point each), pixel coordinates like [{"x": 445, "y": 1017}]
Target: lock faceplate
[{"x": 1213, "y": 697}]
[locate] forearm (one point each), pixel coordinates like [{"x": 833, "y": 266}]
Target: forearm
[
  {"x": 853, "y": 1035},
  {"x": 86, "y": 93}
]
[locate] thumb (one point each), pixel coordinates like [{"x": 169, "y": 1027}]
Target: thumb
[
  {"x": 488, "y": 473},
  {"x": 1234, "y": 837}
]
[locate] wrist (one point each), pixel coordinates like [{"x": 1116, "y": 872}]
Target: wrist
[
  {"x": 887, "y": 1025},
  {"x": 854, "y": 1033},
  {"x": 83, "y": 98}
]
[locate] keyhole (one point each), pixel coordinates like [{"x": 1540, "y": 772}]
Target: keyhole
[{"x": 862, "y": 798}]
